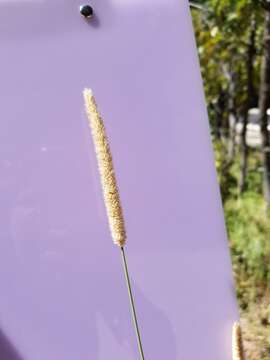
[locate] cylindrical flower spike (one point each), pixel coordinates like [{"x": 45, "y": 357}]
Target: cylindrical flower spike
[
  {"x": 106, "y": 170},
  {"x": 237, "y": 343}
]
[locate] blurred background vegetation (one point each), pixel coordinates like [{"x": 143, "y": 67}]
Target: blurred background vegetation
[{"x": 233, "y": 38}]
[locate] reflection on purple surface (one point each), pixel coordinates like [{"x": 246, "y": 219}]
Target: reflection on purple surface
[{"x": 63, "y": 294}]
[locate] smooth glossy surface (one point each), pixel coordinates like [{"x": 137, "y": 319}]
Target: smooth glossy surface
[{"x": 63, "y": 295}]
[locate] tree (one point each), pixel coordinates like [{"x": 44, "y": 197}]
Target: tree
[
  {"x": 264, "y": 103},
  {"x": 228, "y": 36},
  {"x": 251, "y": 53}
]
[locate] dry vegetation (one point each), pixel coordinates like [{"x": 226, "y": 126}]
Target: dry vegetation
[{"x": 256, "y": 330}]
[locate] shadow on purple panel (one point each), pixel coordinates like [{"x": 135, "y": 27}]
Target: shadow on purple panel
[{"x": 7, "y": 350}]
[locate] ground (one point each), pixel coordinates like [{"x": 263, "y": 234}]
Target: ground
[{"x": 256, "y": 330}]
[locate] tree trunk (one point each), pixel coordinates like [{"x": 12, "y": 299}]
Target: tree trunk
[
  {"x": 232, "y": 114},
  {"x": 251, "y": 52},
  {"x": 232, "y": 134},
  {"x": 219, "y": 115},
  {"x": 264, "y": 104}
]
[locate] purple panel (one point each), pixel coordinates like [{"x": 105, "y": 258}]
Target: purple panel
[{"x": 63, "y": 294}]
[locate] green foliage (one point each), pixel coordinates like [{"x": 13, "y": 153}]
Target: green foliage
[
  {"x": 249, "y": 232},
  {"x": 226, "y": 176},
  {"x": 222, "y": 34},
  {"x": 229, "y": 38},
  {"x": 248, "y": 226}
]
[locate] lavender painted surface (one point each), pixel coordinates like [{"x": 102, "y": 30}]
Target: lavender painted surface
[{"x": 63, "y": 294}]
